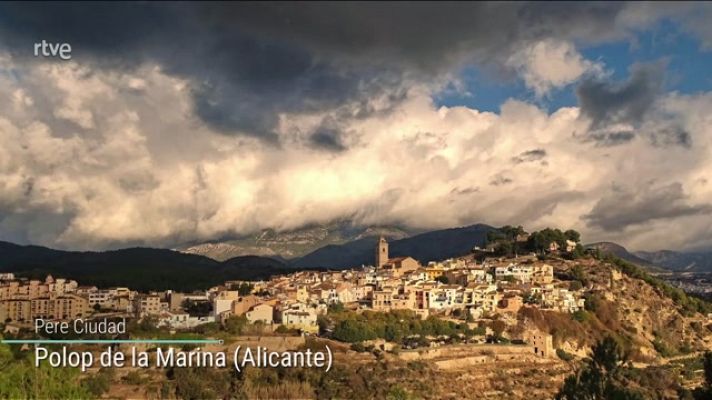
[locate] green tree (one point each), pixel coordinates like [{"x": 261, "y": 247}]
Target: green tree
[
  {"x": 197, "y": 308},
  {"x": 335, "y": 307},
  {"x": 398, "y": 393},
  {"x": 99, "y": 383},
  {"x": 705, "y": 391},
  {"x": 505, "y": 248},
  {"x": 235, "y": 324},
  {"x": 352, "y": 331},
  {"x": 572, "y": 235},
  {"x": 19, "y": 379},
  {"x": 601, "y": 376},
  {"x": 201, "y": 383},
  {"x": 579, "y": 274},
  {"x": 498, "y": 328},
  {"x": 504, "y": 239},
  {"x": 243, "y": 288}
]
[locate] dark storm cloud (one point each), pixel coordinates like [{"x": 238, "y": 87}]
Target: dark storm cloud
[
  {"x": 607, "y": 103},
  {"x": 327, "y": 138},
  {"x": 240, "y": 81},
  {"x": 249, "y": 63},
  {"x": 625, "y": 207},
  {"x": 607, "y": 139},
  {"x": 499, "y": 180},
  {"x": 529, "y": 155},
  {"x": 38, "y": 226},
  {"x": 671, "y": 135},
  {"x": 426, "y": 35},
  {"x": 28, "y": 185},
  {"x": 630, "y": 103}
]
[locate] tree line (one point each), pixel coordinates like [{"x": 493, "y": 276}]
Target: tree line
[{"x": 513, "y": 240}]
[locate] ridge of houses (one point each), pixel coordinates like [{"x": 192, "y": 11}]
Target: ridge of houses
[{"x": 295, "y": 300}]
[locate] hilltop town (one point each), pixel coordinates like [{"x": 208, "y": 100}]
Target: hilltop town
[
  {"x": 522, "y": 298},
  {"x": 463, "y": 287}
]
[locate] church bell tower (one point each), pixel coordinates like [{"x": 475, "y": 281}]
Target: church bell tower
[{"x": 381, "y": 252}]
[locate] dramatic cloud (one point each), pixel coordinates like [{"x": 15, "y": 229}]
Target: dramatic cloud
[
  {"x": 530, "y": 155},
  {"x": 182, "y": 122},
  {"x": 549, "y": 64},
  {"x": 617, "y": 111},
  {"x": 247, "y": 64},
  {"x": 625, "y": 103},
  {"x": 622, "y": 207}
]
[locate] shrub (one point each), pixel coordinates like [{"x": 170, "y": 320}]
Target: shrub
[
  {"x": 580, "y": 316},
  {"x": 99, "y": 383},
  {"x": 562, "y": 354},
  {"x": 398, "y": 393},
  {"x": 134, "y": 378},
  {"x": 662, "y": 348},
  {"x": 393, "y": 326},
  {"x": 282, "y": 329},
  {"x": 235, "y": 324},
  {"x": 358, "y": 347}
]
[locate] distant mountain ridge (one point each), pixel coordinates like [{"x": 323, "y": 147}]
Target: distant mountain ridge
[
  {"x": 620, "y": 251},
  {"x": 295, "y": 243},
  {"x": 424, "y": 247},
  {"x": 147, "y": 269},
  {"x": 158, "y": 269},
  {"x": 138, "y": 268},
  {"x": 679, "y": 261}
]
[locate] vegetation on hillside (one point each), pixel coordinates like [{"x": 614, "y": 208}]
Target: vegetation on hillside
[
  {"x": 142, "y": 269},
  {"x": 19, "y": 379},
  {"x": 374, "y": 380},
  {"x": 607, "y": 374},
  {"x": 601, "y": 377},
  {"x": 689, "y": 304},
  {"x": 511, "y": 240},
  {"x": 705, "y": 390},
  {"x": 400, "y": 326}
]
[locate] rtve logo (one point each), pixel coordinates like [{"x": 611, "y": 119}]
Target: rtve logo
[{"x": 61, "y": 50}]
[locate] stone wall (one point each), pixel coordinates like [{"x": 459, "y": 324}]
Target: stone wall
[{"x": 490, "y": 350}]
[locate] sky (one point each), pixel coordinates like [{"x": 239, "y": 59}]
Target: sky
[{"x": 178, "y": 123}]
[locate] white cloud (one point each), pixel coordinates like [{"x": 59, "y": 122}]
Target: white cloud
[
  {"x": 550, "y": 64},
  {"x": 147, "y": 171}
]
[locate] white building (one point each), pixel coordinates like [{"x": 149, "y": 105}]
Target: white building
[
  {"x": 521, "y": 273},
  {"x": 181, "y": 320}
]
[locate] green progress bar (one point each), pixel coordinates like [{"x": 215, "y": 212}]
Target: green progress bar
[{"x": 109, "y": 341}]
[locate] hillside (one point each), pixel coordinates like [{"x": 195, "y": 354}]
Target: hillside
[
  {"x": 621, "y": 252},
  {"x": 428, "y": 246},
  {"x": 295, "y": 243},
  {"x": 679, "y": 261},
  {"x": 651, "y": 319},
  {"x": 138, "y": 268}
]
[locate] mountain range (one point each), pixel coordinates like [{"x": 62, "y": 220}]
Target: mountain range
[
  {"x": 621, "y": 252},
  {"x": 332, "y": 246},
  {"x": 679, "y": 261},
  {"x": 142, "y": 269},
  {"x": 424, "y": 247},
  {"x": 660, "y": 261},
  {"x": 147, "y": 269},
  {"x": 343, "y": 244},
  {"x": 295, "y": 243}
]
